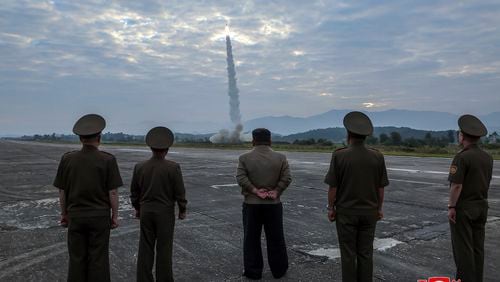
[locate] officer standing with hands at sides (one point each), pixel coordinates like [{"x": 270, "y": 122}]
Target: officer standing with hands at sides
[
  {"x": 88, "y": 180},
  {"x": 263, "y": 176},
  {"x": 470, "y": 175},
  {"x": 356, "y": 177},
  {"x": 157, "y": 185}
]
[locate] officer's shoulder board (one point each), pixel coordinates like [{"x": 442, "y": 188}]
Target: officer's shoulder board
[
  {"x": 340, "y": 149},
  {"x": 106, "y": 154},
  {"x": 374, "y": 149},
  {"x": 172, "y": 163},
  {"x": 463, "y": 150},
  {"x": 68, "y": 154}
]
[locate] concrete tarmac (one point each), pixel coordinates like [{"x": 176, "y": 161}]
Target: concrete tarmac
[{"x": 412, "y": 241}]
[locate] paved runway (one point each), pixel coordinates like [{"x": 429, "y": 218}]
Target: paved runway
[{"x": 413, "y": 239}]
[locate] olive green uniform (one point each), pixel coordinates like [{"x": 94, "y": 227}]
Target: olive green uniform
[
  {"x": 472, "y": 167},
  {"x": 357, "y": 172},
  {"x": 87, "y": 176},
  {"x": 156, "y": 185}
]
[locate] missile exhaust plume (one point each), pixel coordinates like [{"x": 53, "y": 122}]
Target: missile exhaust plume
[{"x": 234, "y": 136}]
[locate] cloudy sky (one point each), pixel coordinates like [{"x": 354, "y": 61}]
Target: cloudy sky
[{"x": 145, "y": 63}]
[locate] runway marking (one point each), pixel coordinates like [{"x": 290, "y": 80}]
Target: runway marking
[
  {"x": 330, "y": 253},
  {"x": 427, "y": 171},
  {"x": 389, "y": 168},
  {"x": 218, "y": 186},
  {"x": 493, "y": 218},
  {"x": 415, "y": 182},
  {"x": 309, "y": 163},
  {"x": 417, "y": 170},
  {"x": 379, "y": 244},
  {"x": 384, "y": 244}
]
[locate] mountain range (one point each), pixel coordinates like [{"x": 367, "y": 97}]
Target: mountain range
[
  {"x": 422, "y": 120},
  {"x": 338, "y": 134}
]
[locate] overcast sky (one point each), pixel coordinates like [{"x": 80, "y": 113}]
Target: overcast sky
[{"x": 146, "y": 63}]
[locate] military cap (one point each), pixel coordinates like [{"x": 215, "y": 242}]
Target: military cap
[
  {"x": 160, "y": 138},
  {"x": 89, "y": 125},
  {"x": 472, "y": 126},
  {"x": 358, "y": 123}
]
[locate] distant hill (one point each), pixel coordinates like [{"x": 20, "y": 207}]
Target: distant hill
[
  {"x": 338, "y": 134},
  {"x": 188, "y": 137},
  {"x": 423, "y": 120}
]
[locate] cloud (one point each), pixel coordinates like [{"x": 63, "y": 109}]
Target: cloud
[
  {"x": 373, "y": 105},
  {"x": 469, "y": 70},
  {"x": 169, "y": 58}
]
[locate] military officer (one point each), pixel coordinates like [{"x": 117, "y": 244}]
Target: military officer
[
  {"x": 470, "y": 176},
  {"x": 88, "y": 180},
  {"x": 157, "y": 185},
  {"x": 263, "y": 176},
  {"x": 356, "y": 177}
]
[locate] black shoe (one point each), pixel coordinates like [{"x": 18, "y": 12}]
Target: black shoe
[
  {"x": 252, "y": 276},
  {"x": 278, "y": 275}
]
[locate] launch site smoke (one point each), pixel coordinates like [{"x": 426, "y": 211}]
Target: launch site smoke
[{"x": 224, "y": 135}]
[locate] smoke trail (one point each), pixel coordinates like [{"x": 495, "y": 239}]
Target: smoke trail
[
  {"x": 233, "y": 92},
  {"x": 235, "y": 136}
]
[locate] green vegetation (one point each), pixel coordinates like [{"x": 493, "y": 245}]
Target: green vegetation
[{"x": 391, "y": 143}]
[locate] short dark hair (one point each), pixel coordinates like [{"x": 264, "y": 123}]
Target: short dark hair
[
  {"x": 355, "y": 136},
  {"x": 159, "y": 151},
  {"x": 261, "y": 136},
  {"x": 470, "y": 138},
  {"x": 89, "y": 138}
]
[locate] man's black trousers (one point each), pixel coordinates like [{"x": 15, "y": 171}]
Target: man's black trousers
[
  {"x": 88, "y": 247},
  {"x": 157, "y": 229},
  {"x": 271, "y": 217}
]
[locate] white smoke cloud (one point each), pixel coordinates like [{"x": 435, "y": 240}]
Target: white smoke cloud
[
  {"x": 231, "y": 137},
  {"x": 236, "y": 135}
]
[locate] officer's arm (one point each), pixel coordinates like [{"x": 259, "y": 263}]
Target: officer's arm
[
  {"x": 113, "y": 199},
  {"x": 180, "y": 192},
  {"x": 380, "y": 191},
  {"x": 332, "y": 196},
  {"x": 285, "y": 177},
  {"x": 455, "y": 190},
  {"x": 64, "y": 212},
  {"x": 62, "y": 202},
  {"x": 456, "y": 178},
  {"x": 135, "y": 190},
  {"x": 243, "y": 180}
]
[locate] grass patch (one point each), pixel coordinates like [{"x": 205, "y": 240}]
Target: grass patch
[{"x": 422, "y": 151}]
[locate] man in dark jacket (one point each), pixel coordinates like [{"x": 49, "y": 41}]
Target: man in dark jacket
[
  {"x": 357, "y": 177},
  {"x": 157, "y": 185},
  {"x": 470, "y": 176},
  {"x": 88, "y": 180},
  {"x": 263, "y": 175}
]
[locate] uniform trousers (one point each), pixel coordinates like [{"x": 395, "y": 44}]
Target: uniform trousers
[
  {"x": 467, "y": 239},
  {"x": 156, "y": 228},
  {"x": 355, "y": 234},
  {"x": 271, "y": 217},
  {"x": 88, "y": 247}
]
